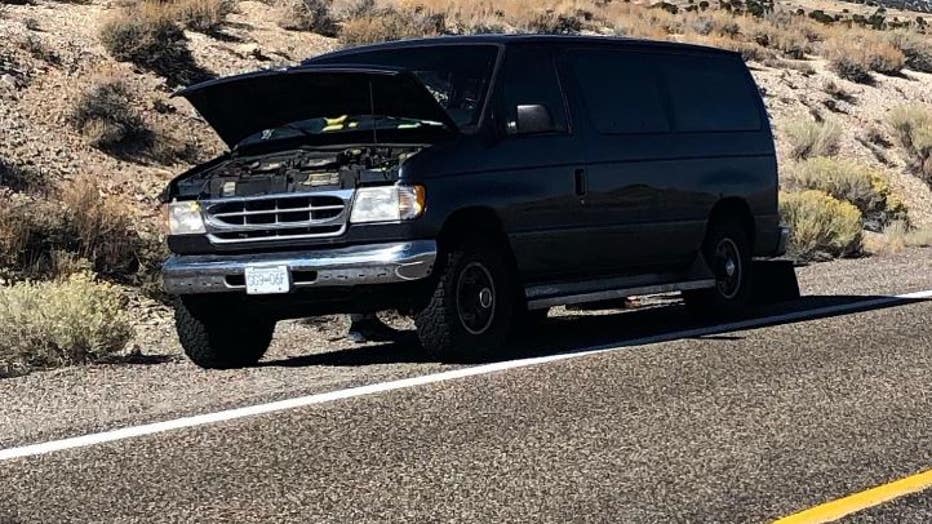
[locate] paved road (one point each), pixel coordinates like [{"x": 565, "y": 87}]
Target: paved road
[{"x": 736, "y": 426}]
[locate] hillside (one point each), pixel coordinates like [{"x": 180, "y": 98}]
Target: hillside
[{"x": 88, "y": 121}]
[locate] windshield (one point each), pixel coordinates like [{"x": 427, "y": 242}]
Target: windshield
[{"x": 457, "y": 76}]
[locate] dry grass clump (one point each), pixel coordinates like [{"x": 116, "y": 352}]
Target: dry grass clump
[
  {"x": 31, "y": 229},
  {"x": 846, "y": 180},
  {"x": 307, "y": 15},
  {"x": 148, "y": 35},
  {"x": 854, "y": 55},
  {"x": 204, "y": 16},
  {"x": 40, "y": 237},
  {"x": 915, "y": 47},
  {"x": 912, "y": 128},
  {"x": 102, "y": 228},
  {"x": 896, "y": 237},
  {"x": 823, "y": 227},
  {"x": 57, "y": 323},
  {"x": 387, "y": 24},
  {"x": 809, "y": 138}
]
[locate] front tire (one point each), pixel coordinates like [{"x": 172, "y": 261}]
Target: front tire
[
  {"x": 216, "y": 336},
  {"x": 727, "y": 250},
  {"x": 469, "y": 312}
]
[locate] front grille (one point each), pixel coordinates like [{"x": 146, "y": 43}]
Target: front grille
[{"x": 277, "y": 217}]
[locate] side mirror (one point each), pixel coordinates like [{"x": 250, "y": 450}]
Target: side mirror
[{"x": 531, "y": 118}]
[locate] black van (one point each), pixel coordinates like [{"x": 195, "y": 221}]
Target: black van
[{"x": 473, "y": 182}]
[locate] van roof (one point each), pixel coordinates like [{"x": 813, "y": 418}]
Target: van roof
[{"x": 503, "y": 39}]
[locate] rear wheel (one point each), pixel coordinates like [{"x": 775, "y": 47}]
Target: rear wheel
[
  {"x": 217, "y": 336},
  {"x": 727, "y": 250},
  {"x": 470, "y": 310}
]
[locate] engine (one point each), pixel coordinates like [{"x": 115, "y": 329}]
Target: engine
[{"x": 296, "y": 172}]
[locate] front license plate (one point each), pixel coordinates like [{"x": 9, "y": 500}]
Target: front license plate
[{"x": 267, "y": 280}]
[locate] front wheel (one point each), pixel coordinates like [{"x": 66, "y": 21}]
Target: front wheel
[
  {"x": 216, "y": 336},
  {"x": 727, "y": 250},
  {"x": 469, "y": 312}
]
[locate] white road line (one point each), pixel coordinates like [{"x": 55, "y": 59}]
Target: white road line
[{"x": 299, "y": 402}]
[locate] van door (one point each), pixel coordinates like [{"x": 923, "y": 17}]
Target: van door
[
  {"x": 538, "y": 155},
  {"x": 630, "y": 172}
]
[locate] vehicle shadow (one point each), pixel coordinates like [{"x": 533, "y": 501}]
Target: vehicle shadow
[{"x": 585, "y": 331}]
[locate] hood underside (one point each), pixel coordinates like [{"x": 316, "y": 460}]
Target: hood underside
[{"x": 240, "y": 106}]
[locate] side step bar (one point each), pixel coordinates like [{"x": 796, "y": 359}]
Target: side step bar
[
  {"x": 697, "y": 276},
  {"x": 610, "y": 294}
]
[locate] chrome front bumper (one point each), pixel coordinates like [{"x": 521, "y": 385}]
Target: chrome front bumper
[{"x": 348, "y": 266}]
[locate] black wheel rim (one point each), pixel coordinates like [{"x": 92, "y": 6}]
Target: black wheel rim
[
  {"x": 730, "y": 269},
  {"x": 475, "y": 298}
]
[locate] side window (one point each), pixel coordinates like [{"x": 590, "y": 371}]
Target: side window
[
  {"x": 710, "y": 93},
  {"x": 620, "y": 91},
  {"x": 529, "y": 78}
]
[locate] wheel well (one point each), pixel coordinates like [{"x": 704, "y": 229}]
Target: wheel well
[
  {"x": 473, "y": 222},
  {"x": 733, "y": 207},
  {"x": 476, "y": 222}
]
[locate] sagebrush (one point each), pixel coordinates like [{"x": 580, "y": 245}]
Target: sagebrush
[
  {"x": 62, "y": 322},
  {"x": 822, "y": 226},
  {"x": 808, "y": 138},
  {"x": 912, "y": 128},
  {"x": 853, "y": 182}
]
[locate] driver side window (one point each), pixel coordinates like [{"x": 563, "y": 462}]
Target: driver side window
[{"x": 529, "y": 79}]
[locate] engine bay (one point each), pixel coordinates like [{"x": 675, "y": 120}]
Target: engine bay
[{"x": 295, "y": 171}]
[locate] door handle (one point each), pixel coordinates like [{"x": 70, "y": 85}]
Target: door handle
[{"x": 579, "y": 180}]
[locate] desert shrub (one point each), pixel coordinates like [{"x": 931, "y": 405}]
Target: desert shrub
[
  {"x": 916, "y": 48},
  {"x": 147, "y": 35},
  {"x": 105, "y": 115},
  {"x": 390, "y": 24},
  {"x": 65, "y": 322},
  {"x": 37, "y": 235},
  {"x": 30, "y": 229},
  {"x": 849, "y": 63},
  {"x": 307, "y": 15},
  {"x": 554, "y": 23},
  {"x": 823, "y": 227},
  {"x": 204, "y": 16},
  {"x": 102, "y": 228},
  {"x": 846, "y": 180},
  {"x": 912, "y": 128},
  {"x": 790, "y": 42},
  {"x": 20, "y": 178},
  {"x": 808, "y": 138},
  {"x": 854, "y": 54},
  {"x": 884, "y": 57},
  {"x": 35, "y": 47}
]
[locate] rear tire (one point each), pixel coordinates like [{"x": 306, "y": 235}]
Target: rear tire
[
  {"x": 727, "y": 250},
  {"x": 469, "y": 313},
  {"x": 216, "y": 336}
]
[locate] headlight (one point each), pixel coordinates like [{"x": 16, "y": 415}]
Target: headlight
[
  {"x": 184, "y": 218},
  {"x": 388, "y": 204}
]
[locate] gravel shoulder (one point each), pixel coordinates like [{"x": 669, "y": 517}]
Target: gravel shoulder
[{"x": 313, "y": 358}]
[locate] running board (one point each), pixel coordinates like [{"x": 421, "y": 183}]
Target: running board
[
  {"x": 697, "y": 276},
  {"x": 555, "y": 298}
]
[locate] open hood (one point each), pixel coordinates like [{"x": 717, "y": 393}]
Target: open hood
[{"x": 240, "y": 106}]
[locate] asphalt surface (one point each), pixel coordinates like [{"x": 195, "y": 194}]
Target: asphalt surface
[{"x": 742, "y": 426}]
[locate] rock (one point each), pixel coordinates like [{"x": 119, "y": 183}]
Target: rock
[{"x": 252, "y": 50}]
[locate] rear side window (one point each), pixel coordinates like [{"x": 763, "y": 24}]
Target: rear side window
[
  {"x": 621, "y": 91},
  {"x": 709, "y": 93},
  {"x": 529, "y": 77}
]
